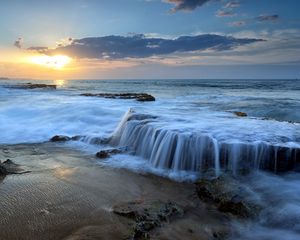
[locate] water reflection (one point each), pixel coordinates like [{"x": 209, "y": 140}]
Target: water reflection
[
  {"x": 60, "y": 82},
  {"x": 63, "y": 172}
]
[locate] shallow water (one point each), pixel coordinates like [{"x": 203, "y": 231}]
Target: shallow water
[{"x": 280, "y": 217}]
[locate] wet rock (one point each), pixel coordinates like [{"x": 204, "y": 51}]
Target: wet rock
[
  {"x": 228, "y": 195},
  {"x": 148, "y": 217},
  {"x": 141, "y": 117},
  {"x": 108, "y": 152},
  {"x": 77, "y": 138},
  {"x": 3, "y": 170},
  {"x": 9, "y": 167},
  {"x": 35, "y": 85},
  {"x": 240, "y": 114},
  {"x": 102, "y": 154},
  {"x": 141, "y": 97},
  {"x": 60, "y": 138},
  {"x": 145, "y": 98}
]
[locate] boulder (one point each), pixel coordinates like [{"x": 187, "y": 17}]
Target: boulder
[
  {"x": 60, "y": 138},
  {"x": 108, "y": 152}
]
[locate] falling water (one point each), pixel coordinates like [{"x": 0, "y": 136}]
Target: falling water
[{"x": 177, "y": 150}]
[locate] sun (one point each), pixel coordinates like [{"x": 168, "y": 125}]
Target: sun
[{"x": 55, "y": 62}]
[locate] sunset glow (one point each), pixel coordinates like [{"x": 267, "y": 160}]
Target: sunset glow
[{"x": 55, "y": 62}]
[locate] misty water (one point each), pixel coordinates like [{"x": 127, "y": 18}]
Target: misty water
[{"x": 191, "y": 126}]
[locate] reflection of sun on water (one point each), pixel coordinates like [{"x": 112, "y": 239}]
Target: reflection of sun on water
[
  {"x": 63, "y": 172},
  {"x": 59, "y": 82},
  {"x": 55, "y": 62}
]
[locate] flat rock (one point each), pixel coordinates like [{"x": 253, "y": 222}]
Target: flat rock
[
  {"x": 141, "y": 97},
  {"x": 35, "y": 85}
]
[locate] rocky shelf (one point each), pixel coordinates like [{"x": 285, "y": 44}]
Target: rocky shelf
[
  {"x": 141, "y": 97},
  {"x": 35, "y": 85}
]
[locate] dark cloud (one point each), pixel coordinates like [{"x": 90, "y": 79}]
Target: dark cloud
[
  {"x": 262, "y": 18},
  {"x": 139, "y": 46},
  {"x": 186, "y": 5},
  {"x": 265, "y": 18},
  {"x": 18, "y": 43},
  {"x": 37, "y": 49}
]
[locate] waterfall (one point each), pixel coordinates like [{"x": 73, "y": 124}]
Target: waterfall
[
  {"x": 177, "y": 150},
  {"x": 216, "y": 156}
]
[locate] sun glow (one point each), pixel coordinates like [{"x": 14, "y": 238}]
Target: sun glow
[{"x": 55, "y": 62}]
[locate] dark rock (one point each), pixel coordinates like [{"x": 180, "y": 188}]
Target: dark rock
[
  {"x": 3, "y": 170},
  {"x": 240, "y": 114},
  {"x": 8, "y": 161},
  {"x": 236, "y": 205},
  {"x": 77, "y": 138},
  {"x": 142, "y": 97},
  {"x": 228, "y": 195},
  {"x": 35, "y": 85},
  {"x": 145, "y": 98},
  {"x": 60, "y": 138},
  {"x": 9, "y": 167},
  {"x": 108, "y": 152},
  {"x": 102, "y": 154},
  {"x": 147, "y": 217}
]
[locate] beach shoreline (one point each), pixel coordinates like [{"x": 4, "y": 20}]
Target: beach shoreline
[{"x": 67, "y": 196}]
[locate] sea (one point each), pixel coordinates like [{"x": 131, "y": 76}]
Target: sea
[{"x": 190, "y": 128}]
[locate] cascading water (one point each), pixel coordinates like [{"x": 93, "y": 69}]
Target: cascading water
[{"x": 178, "y": 150}]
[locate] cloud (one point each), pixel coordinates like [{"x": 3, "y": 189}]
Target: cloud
[
  {"x": 38, "y": 49},
  {"x": 18, "y": 43},
  {"x": 186, "y": 5},
  {"x": 64, "y": 42},
  {"x": 232, "y": 4},
  {"x": 262, "y": 18},
  {"x": 224, "y": 13},
  {"x": 140, "y": 46},
  {"x": 237, "y": 23},
  {"x": 228, "y": 9},
  {"x": 265, "y": 18}
]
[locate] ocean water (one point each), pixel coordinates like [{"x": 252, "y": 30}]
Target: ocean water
[{"x": 189, "y": 128}]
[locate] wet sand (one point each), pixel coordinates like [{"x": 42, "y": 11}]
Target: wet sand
[{"x": 67, "y": 195}]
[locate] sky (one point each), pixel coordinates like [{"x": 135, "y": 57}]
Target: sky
[{"x": 124, "y": 39}]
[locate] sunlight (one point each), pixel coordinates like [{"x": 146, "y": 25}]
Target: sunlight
[
  {"x": 59, "y": 82},
  {"x": 55, "y": 62}
]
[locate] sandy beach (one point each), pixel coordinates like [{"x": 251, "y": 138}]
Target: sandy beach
[{"x": 68, "y": 196}]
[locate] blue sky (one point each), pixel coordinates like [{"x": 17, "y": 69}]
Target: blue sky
[{"x": 41, "y": 23}]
